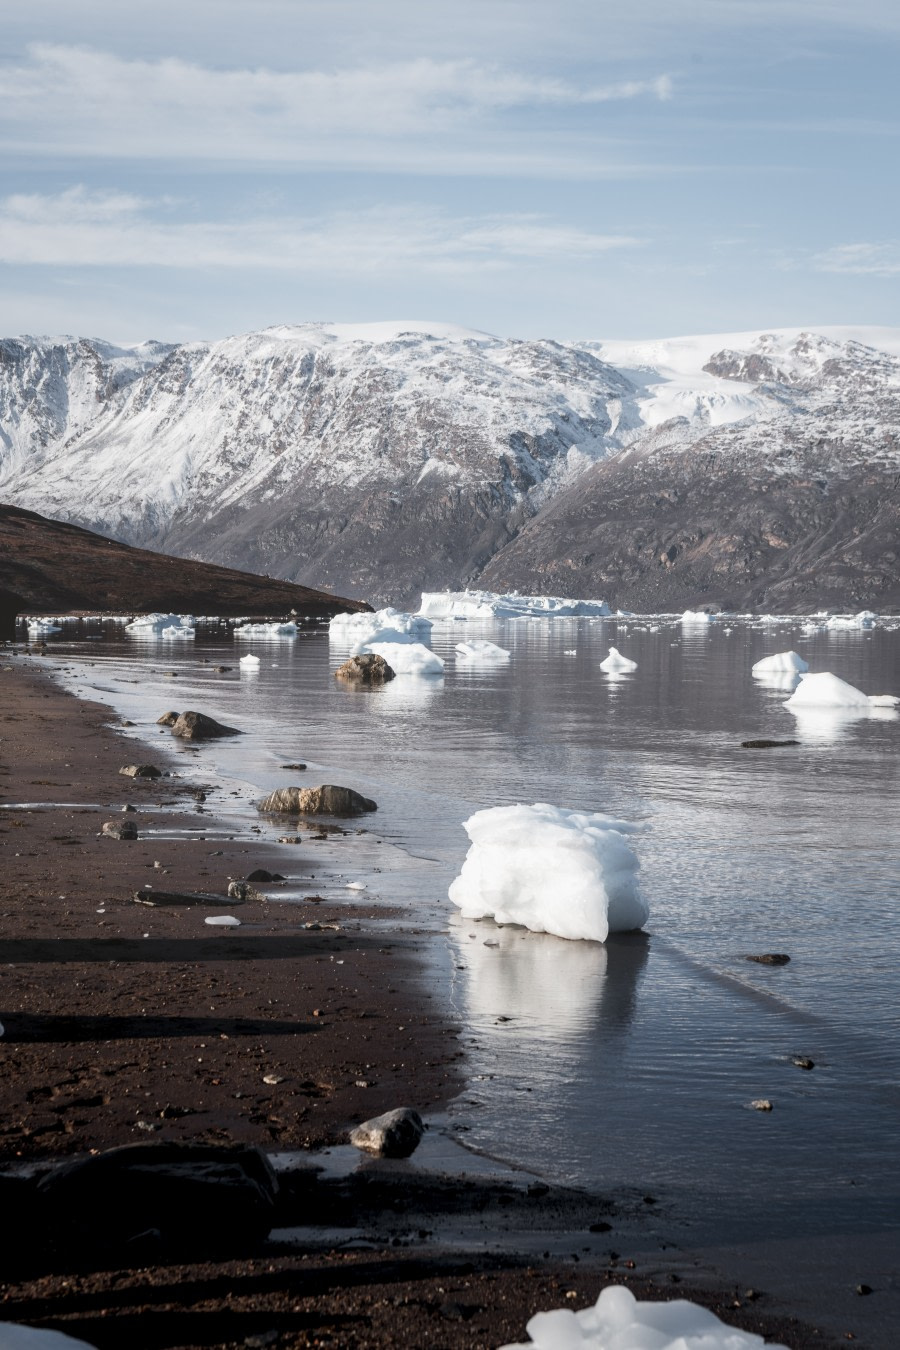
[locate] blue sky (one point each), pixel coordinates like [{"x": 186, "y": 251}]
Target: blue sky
[{"x": 575, "y": 169}]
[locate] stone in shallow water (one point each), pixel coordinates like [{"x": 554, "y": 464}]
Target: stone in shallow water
[
  {"x": 196, "y": 726},
  {"x": 368, "y": 668},
  {"x": 327, "y": 800},
  {"x": 140, "y": 771},
  {"x": 396, "y": 1134}
]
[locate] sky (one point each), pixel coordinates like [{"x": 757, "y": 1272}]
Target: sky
[{"x": 574, "y": 169}]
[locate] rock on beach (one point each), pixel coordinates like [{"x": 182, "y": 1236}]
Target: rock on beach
[
  {"x": 327, "y": 800},
  {"x": 196, "y": 726},
  {"x": 396, "y": 1134}
]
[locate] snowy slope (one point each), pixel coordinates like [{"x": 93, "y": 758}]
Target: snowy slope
[{"x": 388, "y": 458}]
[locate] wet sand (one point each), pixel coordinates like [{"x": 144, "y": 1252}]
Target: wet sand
[{"x": 126, "y": 1023}]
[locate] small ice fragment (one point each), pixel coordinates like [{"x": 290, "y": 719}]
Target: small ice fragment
[
  {"x": 616, "y": 661},
  {"x": 780, "y": 663},
  {"x": 249, "y": 662},
  {"x": 223, "y": 921},
  {"x": 356, "y": 885},
  {"x": 481, "y": 652}
]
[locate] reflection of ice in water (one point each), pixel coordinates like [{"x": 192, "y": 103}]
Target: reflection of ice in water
[
  {"x": 553, "y": 990},
  {"x": 831, "y": 724},
  {"x": 782, "y": 681},
  {"x": 411, "y": 694}
]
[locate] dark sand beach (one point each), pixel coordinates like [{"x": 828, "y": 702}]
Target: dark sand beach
[{"x": 127, "y": 1023}]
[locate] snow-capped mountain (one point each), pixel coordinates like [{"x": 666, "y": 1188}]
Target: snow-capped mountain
[{"x": 386, "y": 459}]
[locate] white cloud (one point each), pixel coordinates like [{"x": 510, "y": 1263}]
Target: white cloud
[
  {"x": 79, "y": 227},
  {"x": 86, "y": 102},
  {"x": 880, "y": 260}
]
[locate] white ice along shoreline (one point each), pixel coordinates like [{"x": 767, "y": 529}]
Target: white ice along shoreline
[
  {"x": 552, "y": 870},
  {"x": 618, "y": 1321}
]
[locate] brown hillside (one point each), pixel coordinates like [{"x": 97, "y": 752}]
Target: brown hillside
[{"x": 53, "y": 568}]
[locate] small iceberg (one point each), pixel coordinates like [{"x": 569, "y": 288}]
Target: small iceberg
[
  {"x": 408, "y": 658},
  {"x": 697, "y": 616},
  {"x": 249, "y": 662},
  {"x": 350, "y": 629},
  {"x": 552, "y": 870},
  {"x": 782, "y": 663},
  {"x": 825, "y": 690},
  {"x": 266, "y": 630},
  {"x": 617, "y": 662},
  {"x": 844, "y": 622},
  {"x": 481, "y": 652},
  {"x": 152, "y": 625},
  {"x": 488, "y": 605},
  {"x": 222, "y": 921},
  {"x": 43, "y": 627},
  {"x": 178, "y": 630},
  {"x": 618, "y": 1321}
]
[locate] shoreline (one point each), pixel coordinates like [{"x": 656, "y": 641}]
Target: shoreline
[{"x": 83, "y": 1034}]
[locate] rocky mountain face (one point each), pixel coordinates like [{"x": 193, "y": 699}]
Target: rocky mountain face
[{"x": 751, "y": 471}]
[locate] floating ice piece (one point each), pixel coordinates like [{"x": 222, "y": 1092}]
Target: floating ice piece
[
  {"x": 412, "y": 658},
  {"x": 222, "y": 921},
  {"x": 864, "y": 619},
  {"x": 617, "y": 1321},
  {"x": 177, "y": 630},
  {"x": 249, "y": 662},
  {"x": 825, "y": 690},
  {"x": 616, "y": 661},
  {"x": 361, "y": 628},
  {"x": 356, "y": 885},
  {"x": 697, "y": 616},
  {"x": 481, "y": 652},
  {"x": 780, "y": 664},
  {"x": 552, "y": 870},
  {"x": 152, "y": 625},
  {"x": 266, "y": 630},
  {"x": 41, "y": 627},
  {"x": 15, "y": 1336},
  {"x": 488, "y": 605}
]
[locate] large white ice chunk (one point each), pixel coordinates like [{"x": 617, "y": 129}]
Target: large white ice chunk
[
  {"x": 697, "y": 616},
  {"x": 781, "y": 663},
  {"x": 864, "y": 619},
  {"x": 617, "y": 662},
  {"x": 266, "y": 630},
  {"x": 408, "y": 658},
  {"x": 825, "y": 690},
  {"x": 552, "y": 870},
  {"x": 358, "y": 629},
  {"x": 249, "y": 662},
  {"x": 481, "y": 652},
  {"x": 488, "y": 605},
  {"x": 617, "y": 1321},
  {"x": 152, "y": 625}
]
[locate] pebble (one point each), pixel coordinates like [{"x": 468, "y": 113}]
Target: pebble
[{"x": 272, "y": 1079}]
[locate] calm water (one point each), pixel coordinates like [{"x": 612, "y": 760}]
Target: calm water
[{"x": 632, "y": 1063}]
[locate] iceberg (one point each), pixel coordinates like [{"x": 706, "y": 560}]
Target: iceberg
[
  {"x": 249, "y": 662},
  {"x": 782, "y": 663},
  {"x": 178, "y": 630},
  {"x": 827, "y": 691},
  {"x": 41, "y": 627},
  {"x": 618, "y": 1321},
  {"x": 152, "y": 625},
  {"x": 842, "y": 622},
  {"x": 552, "y": 870},
  {"x": 488, "y": 605},
  {"x": 359, "y": 629},
  {"x": 481, "y": 652},
  {"x": 266, "y": 630},
  {"x": 697, "y": 616},
  {"x": 408, "y": 658},
  {"x": 617, "y": 662}
]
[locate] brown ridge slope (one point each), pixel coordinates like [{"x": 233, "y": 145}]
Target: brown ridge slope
[{"x": 52, "y": 567}]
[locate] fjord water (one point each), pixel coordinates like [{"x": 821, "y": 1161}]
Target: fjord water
[{"x": 632, "y": 1063}]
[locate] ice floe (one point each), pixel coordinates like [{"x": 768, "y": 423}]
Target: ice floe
[
  {"x": 42, "y": 627},
  {"x": 825, "y": 690},
  {"x": 697, "y": 616},
  {"x": 223, "y": 921},
  {"x": 481, "y": 652},
  {"x": 864, "y": 619},
  {"x": 178, "y": 630},
  {"x": 618, "y": 1321},
  {"x": 266, "y": 630},
  {"x": 781, "y": 663},
  {"x": 617, "y": 662},
  {"x": 249, "y": 662},
  {"x": 152, "y": 625},
  {"x": 385, "y": 625},
  {"x": 571, "y": 873},
  {"x": 408, "y": 658},
  {"x": 488, "y": 605}
]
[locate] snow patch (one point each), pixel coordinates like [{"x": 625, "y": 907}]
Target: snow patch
[{"x": 552, "y": 870}]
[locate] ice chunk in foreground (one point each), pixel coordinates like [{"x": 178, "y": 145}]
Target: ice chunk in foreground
[
  {"x": 266, "y": 630},
  {"x": 616, "y": 661},
  {"x": 408, "y": 658},
  {"x": 571, "y": 873},
  {"x": 488, "y": 605},
  {"x": 249, "y": 662},
  {"x": 825, "y": 690},
  {"x": 618, "y": 1321},
  {"x": 481, "y": 652},
  {"x": 782, "y": 663}
]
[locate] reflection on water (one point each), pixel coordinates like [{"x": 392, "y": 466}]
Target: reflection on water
[{"x": 832, "y": 724}]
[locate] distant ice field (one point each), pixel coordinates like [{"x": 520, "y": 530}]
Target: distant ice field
[{"x": 634, "y": 1062}]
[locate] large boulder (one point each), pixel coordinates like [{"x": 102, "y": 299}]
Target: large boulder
[
  {"x": 196, "y": 726},
  {"x": 119, "y": 829},
  {"x": 184, "y": 1198},
  {"x": 396, "y": 1134},
  {"x": 367, "y": 669},
  {"x": 326, "y": 800}
]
